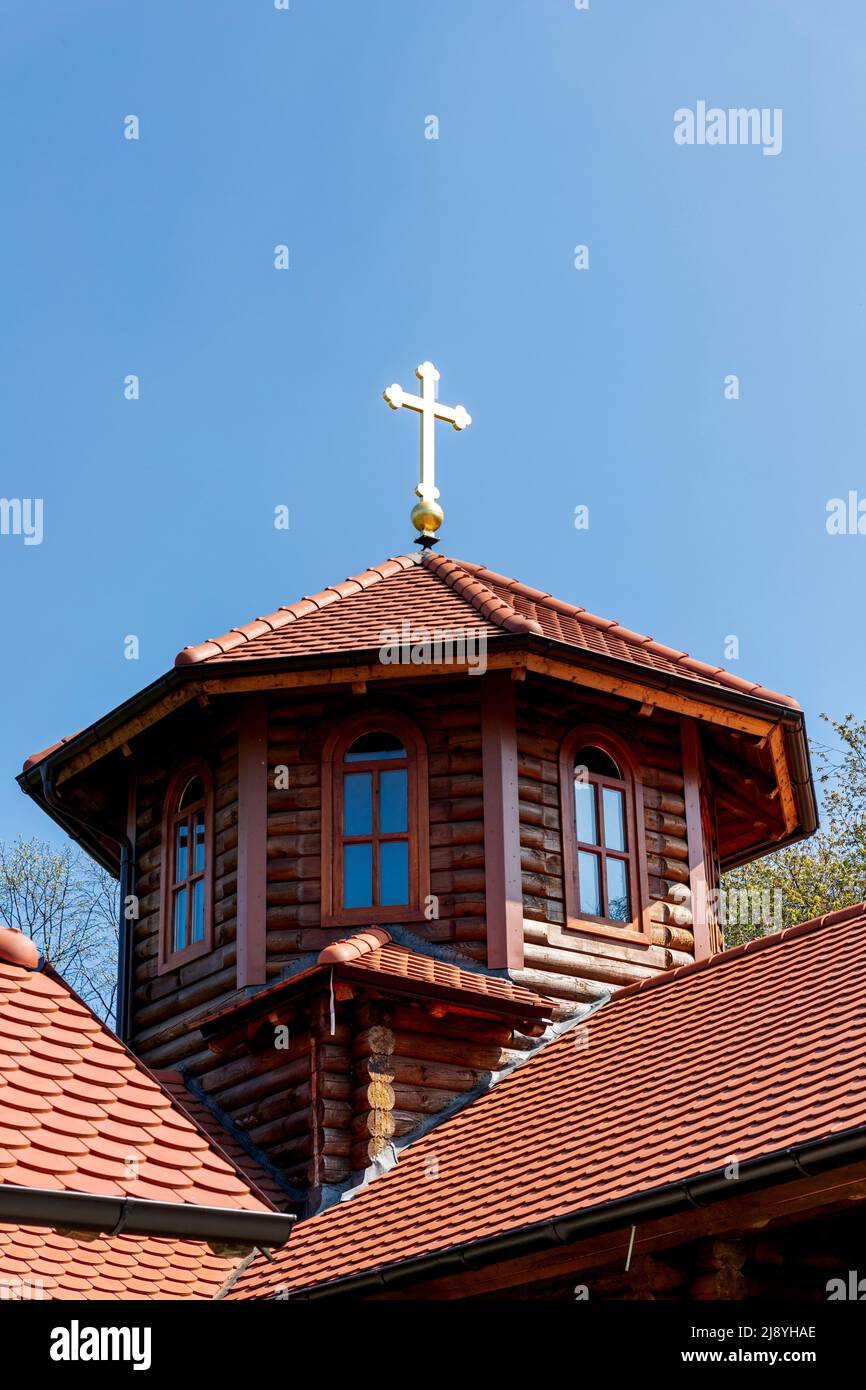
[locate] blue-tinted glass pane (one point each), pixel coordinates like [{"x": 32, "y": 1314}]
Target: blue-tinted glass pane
[
  {"x": 394, "y": 873},
  {"x": 198, "y": 910},
  {"x": 584, "y": 807},
  {"x": 180, "y": 920},
  {"x": 358, "y": 803},
  {"x": 181, "y": 853},
  {"x": 198, "y": 854},
  {"x": 358, "y": 875},
  {"x": 393, "y": 802},
  {"x": 618, "y": 906},
  {"x": 590, "y": 887},
  {"x": 614, "y": 818}
]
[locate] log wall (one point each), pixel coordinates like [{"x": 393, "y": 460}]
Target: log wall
[
  {"x": 329, "y": 1103},
  {"x": 410, "y": 1064},
  {"x": 318, "y": 1107},
  {"x": 570, "y": 966}
]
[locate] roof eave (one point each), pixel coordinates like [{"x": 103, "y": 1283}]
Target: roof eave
[
  {"x": 284, "y": 992},
  {"x": 789, "y": 717},
  {"x": 808, "y": 1159}
]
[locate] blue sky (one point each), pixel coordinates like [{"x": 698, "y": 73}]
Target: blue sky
[{"x": 259, "y": 387}]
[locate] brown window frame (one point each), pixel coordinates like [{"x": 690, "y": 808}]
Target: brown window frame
[
  {"x": 418, "y": 818},
  {"x": 639, "y": 929},
  {"x": 172, "y": 815}
]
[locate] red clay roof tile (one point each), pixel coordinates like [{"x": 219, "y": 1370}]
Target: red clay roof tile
[
  {"x": 438, "y": 591},
  {"x": 198, "y": 1110},
  {"x": 72, "y": 1114},
  {"x": 373, "y": 951},
  {"x": 398, "y": 963},
  {"x": 18, "y": 949},
  {"x": 776, "y": 1029}
]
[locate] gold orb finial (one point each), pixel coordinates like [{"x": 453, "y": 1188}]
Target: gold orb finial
[{"x": 427, "y": 517}]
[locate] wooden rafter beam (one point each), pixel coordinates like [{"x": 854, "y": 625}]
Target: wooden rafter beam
[{"x": 786, "y": 791}]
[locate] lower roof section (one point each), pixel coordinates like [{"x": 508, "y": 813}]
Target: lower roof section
[
  {"x": 83, "y": 1124},
  {"x": 374, "y": 959},
  {"x": 719, "y": 1065}
]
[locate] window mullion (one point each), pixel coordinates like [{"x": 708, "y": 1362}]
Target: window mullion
[
  {"x": 190, "y": 820},
  {"x": 602, "y": 865}
]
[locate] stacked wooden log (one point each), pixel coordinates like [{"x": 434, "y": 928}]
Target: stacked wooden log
[{"x": 410, "y": 1064}]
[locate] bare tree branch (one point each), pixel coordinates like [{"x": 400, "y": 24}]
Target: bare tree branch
[{"x": 68, "y": 905}]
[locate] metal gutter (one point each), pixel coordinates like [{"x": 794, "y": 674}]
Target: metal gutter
[
  {"x": 112, "y": 1216},
  {"x": 785, "y": 1165}
]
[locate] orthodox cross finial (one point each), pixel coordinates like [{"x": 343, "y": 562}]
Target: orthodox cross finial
[{"x": 427, "y": 515}]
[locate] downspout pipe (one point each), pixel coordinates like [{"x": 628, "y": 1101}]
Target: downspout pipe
[
  {"x": 123, "y": 1006},
  {"x": 68, "y": 819},
  {"x": 785, "y": 1165},
  {"x": 137, "y": 1216}
]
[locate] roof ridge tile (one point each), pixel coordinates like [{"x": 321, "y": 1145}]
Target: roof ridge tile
[
  {"x": 349, "y": 948},
  {"x": 687, "y": 663},
  {"x": 488, "y": 603}
]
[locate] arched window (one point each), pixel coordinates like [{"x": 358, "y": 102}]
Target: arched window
[
  {"x": 375, "y": 852},
  {"x": 604, "y": 853},
  {"x": 187, "y": 866}
]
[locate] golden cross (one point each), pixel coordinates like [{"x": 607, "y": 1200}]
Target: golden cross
[{"x": 427, "y": 516}]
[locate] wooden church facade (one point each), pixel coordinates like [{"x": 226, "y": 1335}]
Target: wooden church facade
[
  {"x": 421, "y": 959},
  {"x": 558, "y": 823}
]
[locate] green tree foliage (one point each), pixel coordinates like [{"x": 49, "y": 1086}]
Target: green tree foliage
[
  {"x": 823, "y": 873},
  {"x": 69, "y": 906}
]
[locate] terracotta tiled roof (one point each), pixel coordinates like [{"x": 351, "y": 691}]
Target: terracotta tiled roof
[
  {"x": 436, "y": 591},
  {"x": 44, "y": 753},
  {"x": 206, "y": 1120},
  {"x": 78, "y": 1113},
  {"x": 40, "y": 1263},
  {"x": 350, "y": 617},
  {"x": 373, "y": 952},
  {"x": 565, "y": 622},
  {"x": 754, "y": 1050}
]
